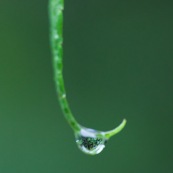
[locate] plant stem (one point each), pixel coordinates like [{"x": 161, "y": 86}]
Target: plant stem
[
  {"x": 56, "y": 22},
  {"x": 113, "y": 132},
  {"x": 56, "y": 28}
]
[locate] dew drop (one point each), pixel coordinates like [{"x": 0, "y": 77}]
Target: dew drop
[
  {"x": 90, "y": 141},
  {"x": 56, "y": 36}
]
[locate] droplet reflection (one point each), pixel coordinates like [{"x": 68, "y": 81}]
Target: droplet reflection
[{"x": 90, "y": 141}]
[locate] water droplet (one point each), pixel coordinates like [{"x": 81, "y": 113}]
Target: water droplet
[
  {"x": 56, "y": 36},
  {"x": 90, "y": 141}
]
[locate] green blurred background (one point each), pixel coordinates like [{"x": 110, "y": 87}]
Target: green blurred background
[{"x": 118, "y": 63}]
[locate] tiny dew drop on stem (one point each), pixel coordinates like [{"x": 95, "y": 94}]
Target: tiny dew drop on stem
[{"x": 89, "y": 141}]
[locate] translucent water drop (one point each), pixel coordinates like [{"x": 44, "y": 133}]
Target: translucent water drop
[{"x": 90, "y": 141}]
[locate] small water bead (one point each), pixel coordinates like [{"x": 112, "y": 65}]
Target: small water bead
[
  {"x": 90, "y": 141},
  {"x": 56, "y": 36}
]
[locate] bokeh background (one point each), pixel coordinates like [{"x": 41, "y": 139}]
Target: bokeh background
[{"x": 118, "y": 63}]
